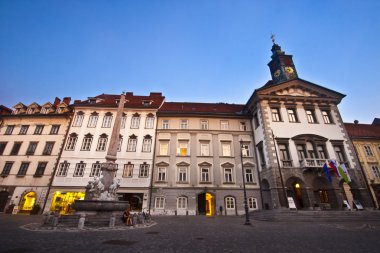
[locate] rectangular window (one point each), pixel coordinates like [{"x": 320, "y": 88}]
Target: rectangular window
[
  {"x": 226, "y": 149},
  {"x": 79, "y": 169},
  {"x": 147, "y": 144},
  {"x": 54, "y": 129},
  {"x": 375, "y": 171},
  {"x": 92, "y": 121},
  {"x": 135, "y": 122},
  {"x": 230, "y": 203},
  {"x": 132, "y": 143},
  {"x": 321, "y": 152},
  {"x": 144, "y": 169},
  {"x": 252, "y": 203},
  {"x": 276, "y": 116},
  {"x": 205, "y": 176},
  {"x": 128, "y": 170},
  {"x": 9, "y": 129},
  {"x": 205, "y": 149},
  {"x": 123, "y": 121},
  {"x": 243, "y": 126},
  {"x": 184, "y": 124},
  {"x": 7, "y": 169},
  {"x": 2, "y": 147},
  {"x": 78, "y": 120},
  {"x": 182, "y": 174},
  {"x": 248, "y": 175},
  {"x": 45, "y": 110},
  {"x": 107, "y": 120},
  {"x": 301, "y": 151},
  {"x": 23, "y": 169},
  {"x": 181, "y": 203},
  {"x": 284, "y": 153},
  {"x": 102, "y": 144},
  {"x": 95, "y": 169},
  {"x": 310, "y": 116},
  {"x": 261, "y": 155},
  {"x": 86, "y": 145},
  {"x": 326, "y": 117},
  {"x": 16, "y": 148},
  {"x": 165, "y": 124},
  {"x": 161, "y": 174},
  {"x": 48, "y": 148},
  {"x": 368, "y": 150},
  {"x": 62, "y": 169},
  {"x": 149, "y": 122},
  {"x": 40, "y": 169},
  {"x": 183, "y": 148},
  {"x": 245, "y": 150},
  {"x": 119, "y": 144},
  {"x": 31, "y": 148},
  {"x": 159, "y": 203},
  {"x": 71, "y": 141},
  {"x": 292, "y": 115},
  {"x": 204, "y": 124},
  {"x": 224, "y": 125},
  {"x": 164, "y": 148},
  {"x": 228, "y": 175},
  {"x": 39, "y": 129},
  {"x": 340, "y": 155},
  {"x": 24, "y": 129},
  {"x": 256, "y": 120}
]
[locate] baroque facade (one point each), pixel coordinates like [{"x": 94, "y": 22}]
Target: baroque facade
[
  {"x": 297, "y": 129},
  {"x": 198, "y": 160},
  {"x": 31, "y": 139},
  {"x": 87, "y": 143},
  {"x": 366, "y": 139}
]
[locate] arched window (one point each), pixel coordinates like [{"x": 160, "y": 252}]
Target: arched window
[
  {"x": 135, "y": 121},
  {"x": 102, "y": 143},
  {"x": 78, "y": 119},
  {"x": 230, "y": 203},
  {"x": 149, "y": 121},
  {"x": 71, "y": 141},
  {"x": 87, "y": 140},
  {"x": 252, "y": 203},
  {"x": 92, "y": 120},
  {"x": 107, "y": 120},
  {"x": 147, "y": 143},
  {"x": 181, "y": 203}
]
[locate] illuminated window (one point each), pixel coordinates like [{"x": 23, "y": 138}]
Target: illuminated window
[
  {"x": 230, "y": 203},
  {"x": 164, "y": 148},
  {"x": 245, "y": 150},
  {"x": 183, "y": 148},
  {"x": 159, "y": 203},
  {"x": 128, "y": 170}
]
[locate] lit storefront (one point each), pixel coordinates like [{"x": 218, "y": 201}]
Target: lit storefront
[{"x": 62, "y": 201}]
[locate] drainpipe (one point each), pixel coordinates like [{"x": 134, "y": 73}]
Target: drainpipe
[
  {"x": 279, "y": 169},
  {"x": 153, "y": 161}
]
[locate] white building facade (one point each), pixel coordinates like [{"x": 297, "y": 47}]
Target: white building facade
[{"x": 86, "y": 147}]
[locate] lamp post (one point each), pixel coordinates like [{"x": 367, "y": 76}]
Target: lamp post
[{"x": 247, "y": 222}]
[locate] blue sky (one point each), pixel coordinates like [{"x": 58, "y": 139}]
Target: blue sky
[{"x": 192, "y": 51}]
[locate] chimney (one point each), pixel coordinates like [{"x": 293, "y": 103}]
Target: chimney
[
  {"x": 356, "y": 122},
  {"x": 67, "y": 100},
  {"x": 57, "y": 101},
  {"x": 77, "y": 101},
  {"x": 129, "y": 94},
  {"x": 155, "y": 94}
]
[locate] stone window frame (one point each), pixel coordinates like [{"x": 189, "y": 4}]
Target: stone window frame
[
  {"x": 182, "y": 205},
  {"x": 128, "y": 170},
  {"x": 159, "y": 202},
  {"x": 78, "y": 119},
  {"x": 23, "y": 169},
  {"x": 63, "y": 169},
  {"x": 38, "y": 129},
  {"x": 93, "y": 120},
  {"x": 79, "y": 169},
  {"x": 71, "y": 141},
  {"x": 96, "y": 169}
]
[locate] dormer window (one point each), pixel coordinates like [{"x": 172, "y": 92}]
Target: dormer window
[
  {"x": 147, "y": 102},
  {"x": 92, "y": 100},
  {"x": 45, "y": 110},
  {"x": 16, "y": 111},
  {"x": 30, "y": 111}
]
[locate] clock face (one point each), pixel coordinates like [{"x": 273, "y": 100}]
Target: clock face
[
  {"x": 277, "y": 73},
  {"x": 290, "y": 70}
]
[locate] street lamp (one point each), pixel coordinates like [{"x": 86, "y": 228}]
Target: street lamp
[{"x": 247, "y": 222}]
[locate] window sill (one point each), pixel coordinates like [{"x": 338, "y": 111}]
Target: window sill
[
  {"x": 228, "y": 182},
  {"x": 20, "y": 175},
  {"x": 182, "y": 182},
  {"x": 182, "y": 155},
  {"x": 37, "y": 175},
  {"x": 205, "y": 182},
  {"x": 4, "y": 175},
  {"x": 161, "y": 182},
  {"x": 163, "y": 156}
]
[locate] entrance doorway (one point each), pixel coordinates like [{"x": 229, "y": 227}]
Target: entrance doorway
[
  {"x": 27, "y": 202},
  {"x": 206, "y": 204},
  {"x": 3, "y": 199},
  {"x": 298, "y": 195},
  {"x": 135, "y": 200}
]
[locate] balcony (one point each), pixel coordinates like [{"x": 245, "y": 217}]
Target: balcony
[
  {"x": 287, "y": 163},
  {"x": 312, "y": 163}
]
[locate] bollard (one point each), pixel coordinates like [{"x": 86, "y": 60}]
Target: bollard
[
  {"x": 112, "y": 221},
  {"x": 81, "y": 221},
  {"x": 55, "y": 220}
]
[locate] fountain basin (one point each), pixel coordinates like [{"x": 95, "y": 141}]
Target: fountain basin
[{"x": 100, "y": 205}]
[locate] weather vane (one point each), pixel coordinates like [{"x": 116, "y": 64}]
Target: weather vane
[{"x": 273, "y": 38}]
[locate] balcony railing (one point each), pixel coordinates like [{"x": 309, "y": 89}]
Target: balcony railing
[
  {"x": 312, "y": 163},
  {"x": 287, "y": 163}
]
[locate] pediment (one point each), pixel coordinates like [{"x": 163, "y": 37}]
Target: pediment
[
  {"x": 34, "y": 105},
  {"x": 248, "y": 164},
  {"x": 227, "y": 164},
  {"x": 183, "y": 164},
  {"x": 162, "y": 164},
  {"x": 19, "y": 106},
  {"x": 204, "y": 164},
  {"x": 300, "y": 88}
]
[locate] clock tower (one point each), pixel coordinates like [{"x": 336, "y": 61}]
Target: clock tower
[{"x": 281, "y": 66}]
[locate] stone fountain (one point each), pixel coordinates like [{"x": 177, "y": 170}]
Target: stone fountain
[{"x": 101, "y": 193}]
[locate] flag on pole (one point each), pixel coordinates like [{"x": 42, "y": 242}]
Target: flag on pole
[
  {"x": 326, "y": 169},
  {"x": 343, "y": 174},
  {"x": 334, "y": 167},
  {"x": 346, "y": 172}
]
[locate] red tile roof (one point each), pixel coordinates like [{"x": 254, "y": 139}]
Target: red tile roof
[
  {"x": 197, "y": 108},
  {"x": 5, "y": 110},
  {"x": 363, "y": 130},
  {"x": 132, "y": 101}
]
